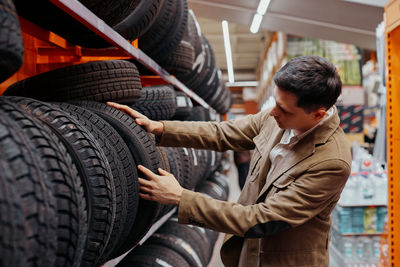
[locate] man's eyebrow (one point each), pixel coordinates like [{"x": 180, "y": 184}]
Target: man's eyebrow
[{"x": 282, "y": 108}]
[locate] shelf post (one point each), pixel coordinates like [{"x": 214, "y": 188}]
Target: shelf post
[{"x": 393, "y": 127}]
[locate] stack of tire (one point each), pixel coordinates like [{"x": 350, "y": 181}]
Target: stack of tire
[
  {"x": 192, "y": 166},
  {"x": 88, "y": 152},
  {"x": 68, "y": 179},
  {"x": 180, "y": 245},
  {"x": 159, "y": 25},
  {"x": 11, "y": 44},
  {"x": 205, "y": 78},
  {"x": 167, "y": 32},
  {"x": 102, "y": 146}
]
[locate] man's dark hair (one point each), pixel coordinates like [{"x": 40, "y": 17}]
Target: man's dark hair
[{"x": 314, "y": 80}]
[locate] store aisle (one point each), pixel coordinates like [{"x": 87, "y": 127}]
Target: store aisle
[{"x": 234, "y": 192}]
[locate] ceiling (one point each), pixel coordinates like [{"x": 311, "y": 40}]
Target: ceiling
[{"x": 352, "y": 22}]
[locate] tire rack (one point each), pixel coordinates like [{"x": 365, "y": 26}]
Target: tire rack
[
  {"x": 392, "y": 19},
  {"x": 45, "y": 50}
]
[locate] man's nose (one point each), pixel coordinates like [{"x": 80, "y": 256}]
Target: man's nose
[{"x": 274, "y": 111}]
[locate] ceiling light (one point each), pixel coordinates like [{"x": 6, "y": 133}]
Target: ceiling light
[
  {"x": 255, "y": 25},
  {"x": 242, "y": 84},
  {"x": 228, "y": 51},
  {"x": 263, "y": 6}
]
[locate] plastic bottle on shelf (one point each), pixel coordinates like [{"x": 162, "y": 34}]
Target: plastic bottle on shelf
[
  {"x": 375, "y": 249},
  {"x": 370, "y": 220},
  {"x": 345, "y": 224},
  {"x": 349, "y": 248},
  {"x": 350, "y": 193},
  {"x": 363, "y": 249},
  {"x": 359, "y": 255},
  {"x": 381, "y": 218},
  {"x": 358, "y": 220},
  {"x": 368, "y": 249},
  {"x": 367, "y": 163},
  {"x": 380, "y": 181},
  {"x": 367, "y": 187}
]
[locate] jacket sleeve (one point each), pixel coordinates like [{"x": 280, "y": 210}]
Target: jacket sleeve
[
  {"x": 303, "y": 199},
  {"x": 221, "y": 136}
]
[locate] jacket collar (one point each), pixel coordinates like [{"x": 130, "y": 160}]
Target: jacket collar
[{"x": 303, "y": 149}]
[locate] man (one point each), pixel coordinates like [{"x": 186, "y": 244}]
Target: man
[{"x": 300, "y": 165}]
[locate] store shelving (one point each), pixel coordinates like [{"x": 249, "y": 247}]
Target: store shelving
[
  {"x": 273, "y": 58},
  {"x": 54, "y": 49}
]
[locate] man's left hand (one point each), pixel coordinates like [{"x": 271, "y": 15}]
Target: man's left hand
[{"x": 162, "y": 188}]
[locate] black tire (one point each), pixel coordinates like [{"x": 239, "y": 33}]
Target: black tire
[
  {"x": 11, "y": 44},
  {"x": 36, "y": 198},
  {"x": 217, "y": 98},
  {"x": 214, "y": 162},
  {"x": 13, "y": 236},
  {"x": 144, "y": 152},
  {"x": 66, "y": 185},
  {"x": 112, "y": 11},
  {"x": 224, "y": 102},
  {"x": 214, "y": 88},
  {"x": 199, "y": 113},
  {"x": 92, "y": 167},
  {"x": 205, "y": 163},
  {"x": 134, "y": 24},
  {"x": 202, "y": 69},
  {"x": 180, "y": 60},
  {"x": 157, "y": 102},
  {"x": 52, "y": 18},
  {"x": 188, "y": 167},
  {"x": 165, "y": 166},
  {"x": 227, "y": 103},
  {"x": 184, "y": 106},
  {"x": 198, "y": 167},
  {"x": 123, "y": 170},
  {"x": 212, "y": 190},
  {"x": 205, "y": 233},
  {"x": 204, "y": 78},
  {"x": 140, "y": 19},
  {"x": 153, "y": 255},
  {"x": 174, "y": 161},
  {"x": 208, "y": 88},
  {"x": 197, "y": 241},
  {"x": 167, "y": 30},
  {"x": 110, "y": 80},
  {"x": 164, "y": 159},
  {"x": 222, "y": 180},
  {"x": 192, "y": 34}
]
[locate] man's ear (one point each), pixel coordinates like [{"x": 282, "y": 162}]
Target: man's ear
[{"x": 319, "y": 113}]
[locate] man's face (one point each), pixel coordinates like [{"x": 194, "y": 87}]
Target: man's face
[{"x": 289, "y": 116}]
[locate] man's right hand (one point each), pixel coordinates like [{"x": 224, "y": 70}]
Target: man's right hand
[{"x": 150, "y": 126}]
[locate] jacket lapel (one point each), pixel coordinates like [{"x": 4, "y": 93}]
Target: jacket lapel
[
  {"x": 269, "y": 136},
  {"x": 295, "y": 156},
  {"x": 302, "y": 150},
  {"x": 270, "y": 139}
]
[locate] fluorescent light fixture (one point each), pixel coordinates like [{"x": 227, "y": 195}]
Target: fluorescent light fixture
[
  {"x": 263, "y": 6},
  {"x": 255, "y": 25},
  {"x": 228, "y": 51},
  {"x": 242, "y": 84}
]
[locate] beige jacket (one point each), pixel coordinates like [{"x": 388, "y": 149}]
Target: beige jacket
[{"x": 282, "y": 219}]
